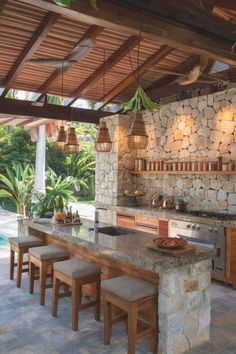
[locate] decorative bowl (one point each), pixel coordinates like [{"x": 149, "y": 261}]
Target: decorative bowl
[{"x": 170, "y": 242}]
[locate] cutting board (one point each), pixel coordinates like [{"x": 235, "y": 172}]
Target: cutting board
[{"x": 175, "y": 253}]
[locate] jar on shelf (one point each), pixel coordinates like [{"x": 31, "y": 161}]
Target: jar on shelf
[
  {"x": 231, "y": 166},
  {"x": 194, "y": 166},
  {"x": 175, "y": 166},
  {"x": 180, "y": 166},
  {"x": 148, "y": 166},
  {"x": 157, "y": 167},
  {"x": 205, "y": 166},
  {"x": 225, "y": 166},
  {"x": 152, "y": 166}
]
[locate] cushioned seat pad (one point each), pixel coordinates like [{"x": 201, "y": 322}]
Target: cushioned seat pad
[
  {"x": 45, "y": 253},
  {"x": 129, "y": 288},
  {"x": 77, "y": 268},
  {"x": 26, "y": 241}
]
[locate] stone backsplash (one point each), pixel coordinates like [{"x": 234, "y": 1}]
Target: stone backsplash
[{"x": 200, "y": 128}]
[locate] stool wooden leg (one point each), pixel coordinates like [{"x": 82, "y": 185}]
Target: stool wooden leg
[
  {"x": 97, "y": 306},
  {"x": 12, "y": 262},
  {"x": 31, "y": 277},
  {"x": 132, "y": 328},
  {"x": 19, "y": 268},
  {"x": 76, "y": 293},
  {"x": 154, "y": 326},
  {"x": 42, "y": 276},
  {"x": 107, "y": 321},
  {"x": 55, "y": 295}
]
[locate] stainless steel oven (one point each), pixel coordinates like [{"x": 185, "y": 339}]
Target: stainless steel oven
[{"x": 203, "y": 235}]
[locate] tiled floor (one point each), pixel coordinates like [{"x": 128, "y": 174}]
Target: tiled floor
[{"x": 27, "y": 328}]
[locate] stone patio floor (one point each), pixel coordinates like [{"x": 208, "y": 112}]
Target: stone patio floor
[{"x": 28, "y": 328}]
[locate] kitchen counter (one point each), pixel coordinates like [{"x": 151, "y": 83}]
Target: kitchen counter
[
  {"x": 183, "y": 282},
  {"x": 168, "y": 214},
  {"x": 130, "y": 248}
]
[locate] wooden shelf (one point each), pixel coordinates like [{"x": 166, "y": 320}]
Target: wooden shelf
[{"x": 133, "y": 172}]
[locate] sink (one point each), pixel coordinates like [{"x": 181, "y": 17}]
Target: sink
[{"x": 114, "y": 231}]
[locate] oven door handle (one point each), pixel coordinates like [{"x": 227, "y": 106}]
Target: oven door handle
[{"x": 195, "y": 240}]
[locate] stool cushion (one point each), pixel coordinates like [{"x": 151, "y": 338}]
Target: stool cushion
[
  {"x": 46, "y": 253},
  {"x": 77, "y": 268},
  {"x": 129, "y": 288},
  {"x": 26, "y": 241}
]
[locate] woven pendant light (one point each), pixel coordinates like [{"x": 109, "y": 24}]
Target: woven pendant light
[
  {"x": 137, "y": 137},
  {"x": 71, "y": 146},
  {"x": 103, "y": 142},
  {"x": 61, "y": 138}
]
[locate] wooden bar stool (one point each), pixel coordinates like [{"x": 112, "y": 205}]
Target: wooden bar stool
[
  {"x": 131, "y": 295},
  {"x": 21, "y": 245},
  {"x": 76, "y": 273},
  {"x": 43, "y": 258}
]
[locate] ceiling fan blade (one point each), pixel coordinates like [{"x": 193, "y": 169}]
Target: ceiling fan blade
[
  {"x": 56, "y": 63},
  {"x": 192, "y": 76},
  {"x": 81, "y": 50}
]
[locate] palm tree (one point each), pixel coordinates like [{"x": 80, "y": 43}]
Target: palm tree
[{"x": 17, "y": 185}]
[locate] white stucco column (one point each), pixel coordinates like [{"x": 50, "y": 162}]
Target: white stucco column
[{"x": 39, "y": 183}]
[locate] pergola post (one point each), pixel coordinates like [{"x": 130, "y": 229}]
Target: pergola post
[{"x": 39, "y": 183}]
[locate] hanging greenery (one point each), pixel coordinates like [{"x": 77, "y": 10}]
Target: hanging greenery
[
  {"x": 139, "y": 101},
  {"x": 66, "y": 3}
]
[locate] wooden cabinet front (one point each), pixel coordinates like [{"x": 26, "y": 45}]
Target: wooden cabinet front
[
  {"x": 147, "y": 224},
  {"x": 231, "y": 256},
  {"x": 125, "y": 220}
]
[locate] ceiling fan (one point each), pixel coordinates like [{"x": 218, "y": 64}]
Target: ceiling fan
[{"x": 77, "y": 54}]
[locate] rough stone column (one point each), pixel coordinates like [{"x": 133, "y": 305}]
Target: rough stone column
[{"x": 184, "y": 308}]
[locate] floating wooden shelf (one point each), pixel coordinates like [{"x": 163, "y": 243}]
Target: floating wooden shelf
[{"x": 133, "y": 172}]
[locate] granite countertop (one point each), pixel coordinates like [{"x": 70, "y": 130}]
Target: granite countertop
[
  {"x": 130, "y": 248},
  {"x": 169, "y": 214}
]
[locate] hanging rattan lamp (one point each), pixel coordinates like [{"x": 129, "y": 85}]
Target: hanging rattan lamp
[
  {"x": 103, "y": 142},
  {"x": 71, "y": 146},
  {"x": 137, "y": 137},
  {"x": 61, "y": 138}
]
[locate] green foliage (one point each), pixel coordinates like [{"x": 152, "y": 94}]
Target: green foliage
[
  {"x": 15, "y": 146},
  {"x": 66, "y": 3},
  {"x": 139, "y": 101},
  {"x": 17, "y": 185},
  {"x": 58, "y": 194},
  {"x": 82, "y": 168}
]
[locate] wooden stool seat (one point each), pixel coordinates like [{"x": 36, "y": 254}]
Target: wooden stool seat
[
  {"x": 75, "y": 273},
  {"x": 21, "y": 245},
  {"x": 43, "y": 258},
  {"x": 131, "y": 295}
]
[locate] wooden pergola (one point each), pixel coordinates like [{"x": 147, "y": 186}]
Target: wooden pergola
[{"x": 172, "y": 36}]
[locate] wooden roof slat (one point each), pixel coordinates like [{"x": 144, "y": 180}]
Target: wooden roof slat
[
  {"x": 141, "y": 70},
  {"x": 119, "y": 54},
  {"x": 91, "y": 33},
  {"x": 50, "y": 111},
  {"x": 35, "y": 41},
  {"x": 2, "y": 5},
  {"x": 128, "y": 21}
]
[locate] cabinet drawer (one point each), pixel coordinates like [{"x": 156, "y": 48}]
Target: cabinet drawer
[
  {"x": 164, "y": 228},
  {"x": 148, "y": 229},
  {"x": 125, "y": 220},
  {"x": 147, "y": 221}
]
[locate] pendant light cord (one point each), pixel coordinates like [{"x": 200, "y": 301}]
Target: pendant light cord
[
  {"x": 62, "y": 81},
  {"x": 104, "y": 72}
]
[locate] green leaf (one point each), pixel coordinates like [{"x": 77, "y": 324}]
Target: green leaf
[
  {"x": 139, "y": 101},
  {"x": 93, "y": 3},
  {"x": 64, "y": 3}
]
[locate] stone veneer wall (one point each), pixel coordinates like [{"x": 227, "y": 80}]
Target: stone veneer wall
[{"x": 200, "y": 128}]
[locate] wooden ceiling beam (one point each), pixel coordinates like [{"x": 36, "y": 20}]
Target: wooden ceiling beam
[
  {"x": 2, "y": 5},
  {"x": 25, "y": 109},
  {"x": 117, "y": 56},
  {"x": 128, "y": 21},
  {"x": 140, "y": 71},
  {"x": 226, "y": 4},
  {"x": 91, "y": 33},
  {"x": 27, "y": 53}
]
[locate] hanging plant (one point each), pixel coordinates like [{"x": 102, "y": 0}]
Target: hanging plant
[
  {"x": 66, "y": 3},
  {"x": 139, "y": 101}
]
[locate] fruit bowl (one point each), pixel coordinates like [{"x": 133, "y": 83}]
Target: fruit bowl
[{"x": 170, "y": 242}]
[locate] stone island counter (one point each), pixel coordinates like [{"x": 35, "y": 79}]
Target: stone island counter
[{"x": 183, "y": 282}]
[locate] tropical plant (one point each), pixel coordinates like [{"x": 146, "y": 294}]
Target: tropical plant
[
  {"x": 66, "y": 3},
  {"x": 139, "y": 101},
  {"x": 58, "y": 194},
  {"x": 81, "y": 167},
  {"x": 17, "y": 185}
]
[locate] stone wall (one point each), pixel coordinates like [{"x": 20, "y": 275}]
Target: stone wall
[
  {"x": 184, "y": 308},
  {"x": 200, "y": 128}
]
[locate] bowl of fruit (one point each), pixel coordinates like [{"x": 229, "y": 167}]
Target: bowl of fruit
[{"x": 170, "y": 242}]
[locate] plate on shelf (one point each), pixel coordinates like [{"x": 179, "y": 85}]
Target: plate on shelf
[{"x": 170, "y": 243}]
